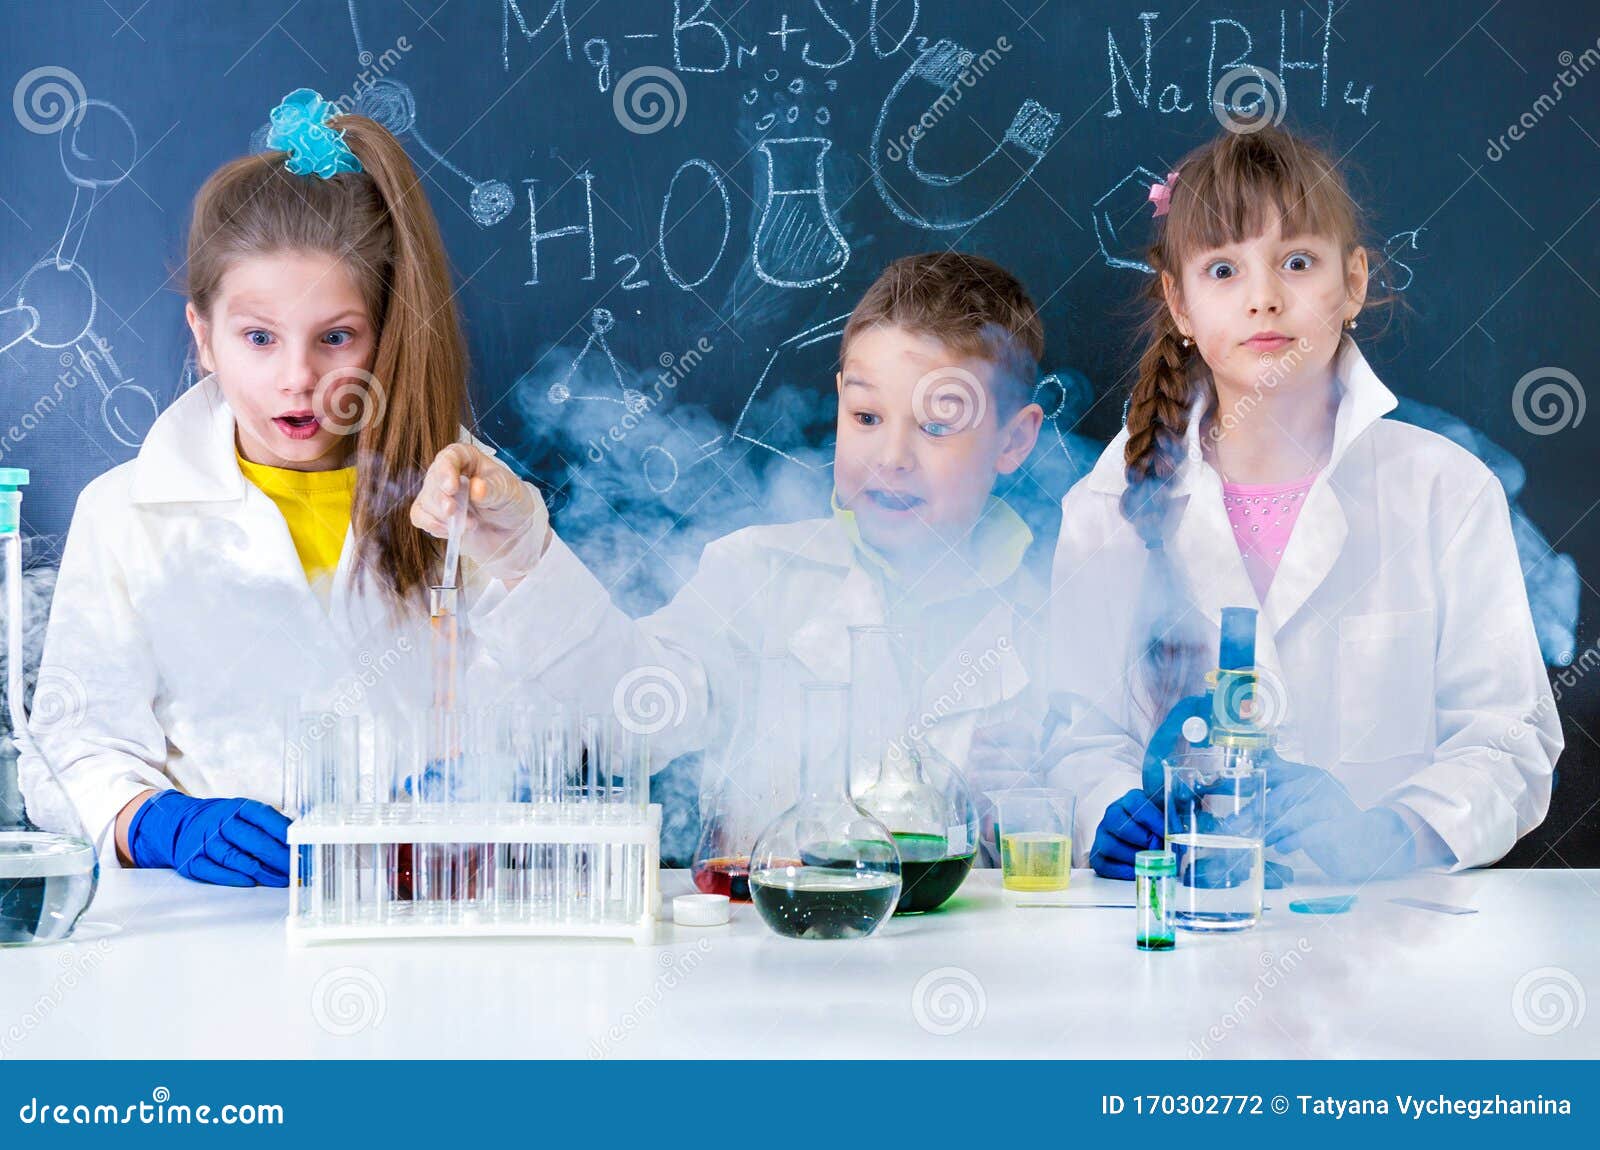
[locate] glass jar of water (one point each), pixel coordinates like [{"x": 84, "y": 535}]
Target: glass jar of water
[{"x": 1216, "y": 820}]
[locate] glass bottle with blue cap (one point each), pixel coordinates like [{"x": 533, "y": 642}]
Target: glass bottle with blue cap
[{"x": 48, "y": 866}]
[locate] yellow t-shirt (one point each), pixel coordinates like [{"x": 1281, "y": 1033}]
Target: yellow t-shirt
[{"x": 315, "y": 505}]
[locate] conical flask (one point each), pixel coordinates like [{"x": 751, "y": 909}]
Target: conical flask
[
  {"x": 755, "y": 774},
  {"x": 825, "y": 868},
  {"x": 896, "y": 775},
  {"x": 48, "y": 867},
  {"x": 797, "y": 243}
]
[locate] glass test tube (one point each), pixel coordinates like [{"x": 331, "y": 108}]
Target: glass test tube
[
  {"x": 439, "y": 864},
  {"x": 1153, "y": 872}
]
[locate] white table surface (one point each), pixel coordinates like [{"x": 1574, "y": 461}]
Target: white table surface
[{"x": 167, "y": 968}]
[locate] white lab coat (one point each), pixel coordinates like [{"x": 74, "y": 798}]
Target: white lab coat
[
  {"x": 761, "y": 589},
  {"x": 183, "y": 629},
  {"x": 1397, "y": 624}
]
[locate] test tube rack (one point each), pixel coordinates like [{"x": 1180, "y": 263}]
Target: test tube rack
[
  {"x": 494, "y": 872},
  {"x": 536, "y": 825}
]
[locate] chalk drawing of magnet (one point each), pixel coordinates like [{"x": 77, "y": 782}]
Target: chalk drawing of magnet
[{"x": 925, "y": 93}]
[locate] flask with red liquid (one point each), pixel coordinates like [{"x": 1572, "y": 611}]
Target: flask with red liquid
[{"x": 752, "y": 775}]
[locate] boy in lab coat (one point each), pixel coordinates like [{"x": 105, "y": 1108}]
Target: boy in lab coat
[{"x": 938, "y": 363}]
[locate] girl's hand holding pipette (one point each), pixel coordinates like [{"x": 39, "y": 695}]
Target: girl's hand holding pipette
[{"x": 507, "y": 527}]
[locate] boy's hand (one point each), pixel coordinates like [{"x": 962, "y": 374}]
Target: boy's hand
[{"x": 507, "y": 528}]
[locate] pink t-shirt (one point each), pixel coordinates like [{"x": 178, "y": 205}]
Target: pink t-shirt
[{"x": 1263, "y": 515}]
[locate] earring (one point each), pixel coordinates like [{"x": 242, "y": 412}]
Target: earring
[
  {"x": 1350, "y": 324},
  {"x": 1186, "y": 341}
]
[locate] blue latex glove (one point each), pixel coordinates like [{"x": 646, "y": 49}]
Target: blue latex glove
[
  {"x": 1309, "y": 810},
  {"x": 433, "y": 786},
  {"x": 1162, "y": 744},
  {"x": 230, "y": 842},
  {"x": 1131, "y": 824},
  {"x": 1165, "y": 741},
  {"x": 1135, "y": 821}
]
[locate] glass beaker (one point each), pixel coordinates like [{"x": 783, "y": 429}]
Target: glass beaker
[
  {"x": 48, "y": 866},
  {"x": 1034, "y": 825},
  {"x": 934, "y": 825},
  {"x": 825, "y": 868},
  {"x": 1216, "y": 820},
  {"x": 756, "y": 770}
]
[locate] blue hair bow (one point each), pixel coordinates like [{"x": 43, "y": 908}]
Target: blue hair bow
[{"x": 300, "y": 127}]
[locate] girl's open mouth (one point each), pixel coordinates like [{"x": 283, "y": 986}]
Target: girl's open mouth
[{"x": 299, "y": 425}]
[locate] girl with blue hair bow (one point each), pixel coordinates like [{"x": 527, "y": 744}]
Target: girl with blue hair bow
[{"x": 276, "y": 534}]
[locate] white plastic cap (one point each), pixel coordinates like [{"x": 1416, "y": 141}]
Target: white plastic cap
[{"x": 701, "y": 910}]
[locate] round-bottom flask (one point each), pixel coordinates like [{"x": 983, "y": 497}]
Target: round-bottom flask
[
  {"x": 825, "y": 868},
  {"x": 934, "y": 825}
]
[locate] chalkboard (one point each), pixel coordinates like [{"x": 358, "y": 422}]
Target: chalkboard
[{"x": 660, "y": 211}]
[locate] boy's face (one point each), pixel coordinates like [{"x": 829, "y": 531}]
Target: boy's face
[
  {"x": 291, "y": 345},
  {"x": 921, "y": 441}
]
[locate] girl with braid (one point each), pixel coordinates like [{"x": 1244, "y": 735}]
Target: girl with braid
[{"x": 1395, "y": 645}]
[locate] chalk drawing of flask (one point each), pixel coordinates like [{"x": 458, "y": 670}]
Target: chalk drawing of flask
[{"x": 797, "y": 243}]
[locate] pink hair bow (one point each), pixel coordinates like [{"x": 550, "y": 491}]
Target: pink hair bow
[{"x": 1161, "y": 195}]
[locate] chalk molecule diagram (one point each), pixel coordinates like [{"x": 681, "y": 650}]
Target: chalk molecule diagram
[
  {"x": 1127, "y": 201},
  {"x": 601, "y": 320},
  {"x": 56, "y": 305}
]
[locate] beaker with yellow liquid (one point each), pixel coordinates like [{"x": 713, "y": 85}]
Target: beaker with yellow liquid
[{"x": 1034, "y": 826}]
